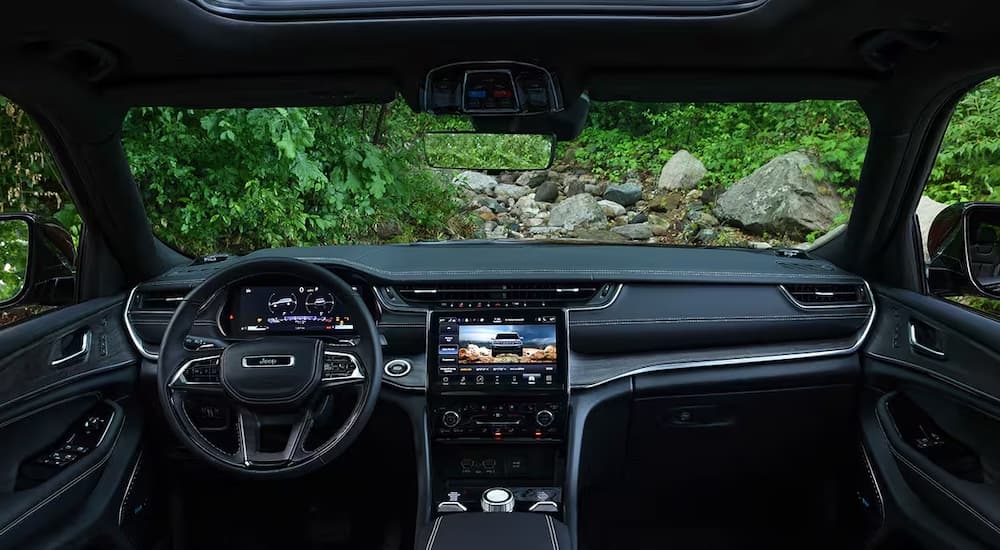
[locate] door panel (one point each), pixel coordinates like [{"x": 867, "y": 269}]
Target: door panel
[
  {"x": 69, "y": 432},
  {"x": 931, "y": 420}
]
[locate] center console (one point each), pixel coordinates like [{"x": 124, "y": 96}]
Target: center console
[{"x": 498, "y": 398}]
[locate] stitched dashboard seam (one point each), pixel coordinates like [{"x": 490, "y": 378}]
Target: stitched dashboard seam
[
  {"x": 716, "y": 320},
  {"x": 128, "y": 488},
  {"x": 552, "y": 533}
]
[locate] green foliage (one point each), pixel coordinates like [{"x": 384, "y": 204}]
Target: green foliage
[
  {"x": 13, "y": 257},
  {"x": 968, "y": 166},
  {"x": 731, "y": 139},
  {"x": 488, "y": 151},
  {"x": 237, "y": 180}
]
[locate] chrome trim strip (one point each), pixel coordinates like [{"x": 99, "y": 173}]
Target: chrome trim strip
[
  {"x": 139, "y": 345},
  {"x": 179, "y": 381},
  {"x": 753, "y": 360},
  {"x": 871, "y": 475},
  {"x": 917, "y": 346},
  {"x": 289, "y": 361},
  {"x": 380, "y": 301},
  {"x": 449, "y": 507},
  {"x": 807, "y": 307},
  {"x": 76, "y": 354},
  {"x": 544, "y": 506}
]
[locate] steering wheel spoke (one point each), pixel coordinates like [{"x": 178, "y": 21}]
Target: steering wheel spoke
[
  {"x": 199, "y": 371},
  {"x": 257, "y": 449},
  {"x": 341, "y": 368}
]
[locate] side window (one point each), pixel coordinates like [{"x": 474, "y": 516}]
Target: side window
[
  {"x": 39, "y": 225},
  {"x": 967, "y": 170}
]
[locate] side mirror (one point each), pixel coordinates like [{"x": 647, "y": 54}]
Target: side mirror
[
  {"x": 964, "y": 247},
  {"x": 37, "y": 259}
]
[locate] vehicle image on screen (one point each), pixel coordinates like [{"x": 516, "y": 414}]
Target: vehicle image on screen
[{"x": 507, "y": 343}]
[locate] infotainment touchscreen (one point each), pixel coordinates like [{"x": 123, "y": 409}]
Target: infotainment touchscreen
[{"x": 488, "y": 350}]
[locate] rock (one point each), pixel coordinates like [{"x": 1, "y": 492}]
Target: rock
[
  {"x": 532, "y": 179},
  {"x": 781, "y": 197},
  {"x": 711, "y": 194},
  {"x": 508, "y": 191},
  {"x": 498, "y": 232},
  {"x": 625, "y": 194},
  {"x": 545, "y": 230},
  {"x": 634, "y": 231},
  {"x": 639, "y": 218},
  {"x": 547, "y": 192},
  {"x": 594, "y": 189},
  {"x": 487, "y": 215},
  {"x": 575, "y": 187},
  {"x": 759, "y": 245},
  {"x": 476, "y": 181},
  {"x": 506, "y": 177},
  {"x": 682, "y": 171},
  {"x": 703, "y": 219},
  {"x": 611, "y": 208},
  {"x": 526, "y": 207},
  {"x": 578, "y": 210},
  {"x": 388, "y": 229},
  {"x": 665, "y": 203},
  {"x": 693, "y": 195},
  {"x": 660, "y": 230},
  {"x": 927, "y": 210},
  {"x": 707, "y": 236},
  {"x": 489, "y": 202},
  {"x": 598, "y": 235}
]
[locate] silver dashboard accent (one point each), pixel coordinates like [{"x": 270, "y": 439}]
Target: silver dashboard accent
[
  {"x": 917, "y": 346},
  {"x": 497, "y": 499},
  {"x": 139, "y": 345},
  {"x": 406, "y": 364},
  {"x": 808, "y": 307},
  {"x": 267, "y": 361},
  {"x": 544, "y": 506},
  {"x": 448, "y": 507},
  {"x": 84, "y": 348},
  {"x": 780, "y": 357}
]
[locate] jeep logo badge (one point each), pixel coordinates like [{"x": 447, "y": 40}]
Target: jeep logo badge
[{"x": 268, "y": 361}]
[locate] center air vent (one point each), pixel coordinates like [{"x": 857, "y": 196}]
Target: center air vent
[
  {"x": 827, "y": 295},
  {"x": 502, "y": 294}
]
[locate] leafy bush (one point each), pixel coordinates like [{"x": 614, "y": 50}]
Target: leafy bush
[{"x": 237, "y": 179}]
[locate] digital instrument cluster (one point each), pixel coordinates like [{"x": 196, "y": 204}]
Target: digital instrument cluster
[{"x": 288, "y": 310}]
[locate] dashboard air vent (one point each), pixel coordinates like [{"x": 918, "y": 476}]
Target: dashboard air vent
[
  {"x": 827, "y": 295},
  {"x": 461, "y": 295},
  {"x": 157, "y": 301}
]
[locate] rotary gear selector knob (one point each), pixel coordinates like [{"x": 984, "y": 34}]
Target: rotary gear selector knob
[{"x": 497, "y": 499}]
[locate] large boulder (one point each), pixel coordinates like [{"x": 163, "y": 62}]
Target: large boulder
[
  {"x": 927, "y": 210},
  {"x": 682, "y": 171},
  {"x": 476, "y": 182},
  {"x": 634, "y": 231},
  {"x": 611, "y": 208},
  {"x": 577, "y": 211},
  {"x": 532, "y": 179},
  {"x": 509, "y": 191},
  {"x": 547, "y": 192},
  {"x": 781, "y": 197},
  {"x": 625, "y": 194}
]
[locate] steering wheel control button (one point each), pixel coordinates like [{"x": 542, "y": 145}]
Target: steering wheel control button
[
  {"x": 497, "y": 499},
  {"x": 398, "y": 368}
]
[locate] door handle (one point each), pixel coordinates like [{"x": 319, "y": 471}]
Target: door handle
[
  {"x": 919, "y": 334},
  {"x": 76, "y": 354}
]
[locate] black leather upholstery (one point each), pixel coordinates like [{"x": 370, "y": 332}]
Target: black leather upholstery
[{"x": 494, "y": 531}]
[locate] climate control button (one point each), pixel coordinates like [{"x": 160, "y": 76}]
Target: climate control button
[
  {"x": 450, "y": 419},
  {"x": 544, "y": 418}
]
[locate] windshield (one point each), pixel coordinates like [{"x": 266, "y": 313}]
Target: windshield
[{"x": 745, "y": 175}]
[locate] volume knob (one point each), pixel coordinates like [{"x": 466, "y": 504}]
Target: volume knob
[
  {"x": 497, "y": 499},
  {"x": 450, "y": 419},
  {"x": 544, "y": 418}
]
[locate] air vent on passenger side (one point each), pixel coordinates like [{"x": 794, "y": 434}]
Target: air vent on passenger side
[
  {"x": 827, "y": 295},
  {"x": 461, "y": 295}
]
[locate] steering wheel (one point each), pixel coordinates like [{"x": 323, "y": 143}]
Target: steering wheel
[{"x": 273, "y": 383}]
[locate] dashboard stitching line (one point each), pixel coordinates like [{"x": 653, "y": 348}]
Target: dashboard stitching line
[{"x": 430, "y": 540}]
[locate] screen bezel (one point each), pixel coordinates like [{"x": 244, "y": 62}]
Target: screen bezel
[{"x": 562, "y": 353}]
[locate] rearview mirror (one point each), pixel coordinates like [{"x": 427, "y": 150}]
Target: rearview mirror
[
  {"x": 474, "y": 151},
  {"x": 37, "y": 258},
  {"x": 964, "y": 247}
]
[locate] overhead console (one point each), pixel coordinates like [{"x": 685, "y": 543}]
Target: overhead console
[{"x": 491, "y": 88}]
